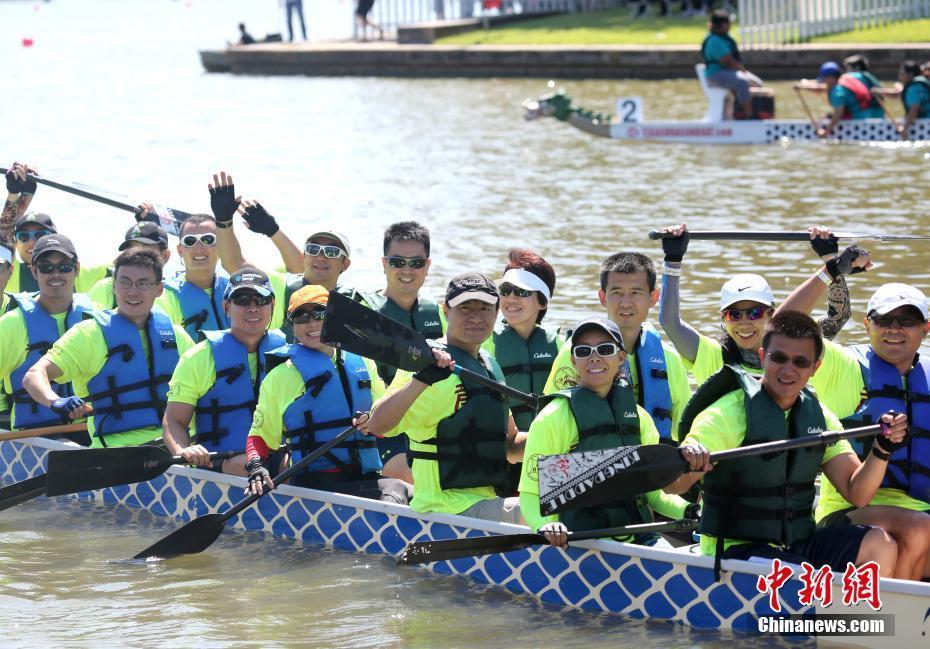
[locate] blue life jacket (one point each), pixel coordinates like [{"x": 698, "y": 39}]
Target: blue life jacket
[
  {"x": 909, "y": 467},
  {"x": 223, "y": 415},
  {"x": 333, "y": 394},
  {"x": 130, "y": 391},
  {"x": 652, "y": 375},
  {"x": 201, "y": 312},
  {"x": 42, "y": 332}
]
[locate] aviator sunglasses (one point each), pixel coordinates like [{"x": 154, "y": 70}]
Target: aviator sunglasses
[
  {"x": 250, "y": 299},
  {"x": 330, "y": 252},
  {"x": 603, "y": 350},
  {"x": 400, "y": 262},
  {"x": 190, "y": 240},
  {"x": 63, "y": 268},
  {"x": 735, "y": 315},
  {"x": 903, "y": 321},
  {"x": 304, "y": 316},
  {"x": 507, "y": 289},
  {"x": 26, "y": 235},
  {"x": 800, "y": 362}
]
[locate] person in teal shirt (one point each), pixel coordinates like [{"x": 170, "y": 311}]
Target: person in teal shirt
[
  {"x": 725, "y": 68},
  {"x": 915, "y": 95}
]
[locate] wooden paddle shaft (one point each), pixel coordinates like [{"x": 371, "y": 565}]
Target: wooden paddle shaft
[
  {"x": 807, "y": 109},
  {"x": 45, "y": 430},
  {"x": 823, "y": 439}
]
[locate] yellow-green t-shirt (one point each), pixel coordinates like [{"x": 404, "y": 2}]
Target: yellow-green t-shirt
[
  {"x": 709, "y": 361},
  {"x": 282, "y": 386},
  {"x": 84, "y": 281},
  {"x": 563, "y": 376},
  {"x": 439, "y": 401},
  {"x": 279, "y": 282},
  {"x": 555, "y": 431},
  {"x": 81, "y": 353},
  {"x": 101, "y": 294},
  {"x": 722, "y": 426},
  {"x": 840, "y": 386}
]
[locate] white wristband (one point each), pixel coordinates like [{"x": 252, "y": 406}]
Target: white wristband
[
  {"x": 671, "y": 271},
  {"x": 824, "y": 277}
]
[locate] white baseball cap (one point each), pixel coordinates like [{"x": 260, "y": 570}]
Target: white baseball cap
[
  {"x": 891, "y": 296},
  {"x": 746, "y": 287}
]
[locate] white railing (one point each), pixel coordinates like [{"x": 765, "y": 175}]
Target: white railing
[{"x": 768, "y": 23}]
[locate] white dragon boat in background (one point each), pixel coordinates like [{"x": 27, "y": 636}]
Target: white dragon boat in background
[{"x": 599, "y": 576}]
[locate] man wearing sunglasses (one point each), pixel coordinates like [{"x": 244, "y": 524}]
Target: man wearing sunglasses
[
  {"x": 309, "y": 398},
  {"x": 144, "y": 235},
  {"x": 216, "y": 383},
  {"x": 461, "y": 434},
  {"x": 859, "y": 383},
  {"x": 599, "y": 413},
  {"x": 628, "y": 291},
  {"x": 762, "y": 506},
  {"x": 119, "y": 361},
  {"x": 27, "y": 332}
]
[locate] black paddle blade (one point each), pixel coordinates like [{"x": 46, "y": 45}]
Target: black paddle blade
[
  {"x": 590, "y": 478},
  {"x": 430, "y": 551},
  {"x": 96, "y": 468},
  {"x": 356, "y": 328},
  {"x": 20, "y": 492},
  {"x": 196, "y": 536}
]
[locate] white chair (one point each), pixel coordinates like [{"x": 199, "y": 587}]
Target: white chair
[{"x": 716, "y": 97}]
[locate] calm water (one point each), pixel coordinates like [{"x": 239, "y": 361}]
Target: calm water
[{"x": 112, "y": 94}]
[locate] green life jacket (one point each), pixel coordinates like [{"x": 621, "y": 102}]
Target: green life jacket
[
  {"x": 605, "y": 423},
  {"x": 525, "y": 364},
  {"x": 424, "y": 317},
  {"x": 471, "y": 445},
  {"x": 768, "y": 498}
]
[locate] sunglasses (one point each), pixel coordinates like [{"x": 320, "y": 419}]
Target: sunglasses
[
  {"x": 401, "y": 262},
  {"x": 63, "y": 268},
  {"x": 903, "y": 321},
  {"x": 800, "y": 362},
  {"x": 304, "y": 316},
  {"x": 603, "y": 350},
  {"x": 506, "y": 290},
  {"x": 191, "y": 240},
  {"x": 735, "y": 315},
  {"x": 330, "y": 252},
  {"x": 250, "y": 299},
  {"x": 31, "y": 235}
]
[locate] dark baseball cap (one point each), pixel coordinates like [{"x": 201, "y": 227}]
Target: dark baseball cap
[
  {"x": 34, "y": 218},
  {"x": 54, "y": 243},
  {"x": 609, "y": 327},
  {"x": 471, "y": 286},
  {"x": 145, "y": 232},
  {"x": 248, "y": 277}
]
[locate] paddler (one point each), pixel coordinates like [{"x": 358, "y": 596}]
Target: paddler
[
  {"x": 849, "y": 96},
  {"x": 915, "y": 95},
  {"x": 310, "y": 398},
  {"x": 405, "y": 262},
  {"x": 627, "y": 293},
  {"x": 599, "y": 413},
  {"x": 6, "y": 269},
  {"x": 725, "y": 68},
  {"x": 746, "y": 305},
  {"x": 762, "y": 506},
  {"x": 119, "y": 361},
  {"x": 859, "y": 383},
  {"x": 29, "y": 331},
  {"x": 216, "y": 382},
  {"x": 462, "y": 436},
  {"x": 20, "y": 191}
]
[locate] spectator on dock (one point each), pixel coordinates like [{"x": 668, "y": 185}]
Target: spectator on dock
[
  {"x": 245, "y": 38},
  {"x": 292, "y": 7},
  {"x": 364, "y": 22},
  {"x": 725, "y": 68}
]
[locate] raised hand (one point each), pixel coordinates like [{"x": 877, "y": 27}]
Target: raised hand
[
  {"x": 18, "y": 180},
  {"x": 258, "y": 219},
  {"x": 823, "y": 242},
  {"x": 676, "y": 245},
  {"x": 223, "y": 199}
]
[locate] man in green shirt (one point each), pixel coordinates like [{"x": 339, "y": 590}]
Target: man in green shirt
[
  {"x": 461, "y": 434},
  {"x": 143, "y": 235}
]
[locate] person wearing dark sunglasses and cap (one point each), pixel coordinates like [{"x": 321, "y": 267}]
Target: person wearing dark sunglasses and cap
[
  {"x": 28, "y": 331},
  {"x": 599, "y": 413},
  {"x": 143, "y": 235},
  {"x": 216, "y": 383},
  {"x": 314, "y": 394}
]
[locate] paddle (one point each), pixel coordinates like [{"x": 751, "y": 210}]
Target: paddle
[
  {"x": 22, "y": 491},
  {"x": 354, "y": 327},
  {"x": 97, "y": 468},
  {"x": 200, "y": 533},
  {"x": 61, "y": 429},
  {"x": 766, "y": 235},
  {"x": 474, "y": 546},
  {"x": 589, "y": 478},
  {"x": 807, "y": 109},
  {"x": 169, "y": 218}
]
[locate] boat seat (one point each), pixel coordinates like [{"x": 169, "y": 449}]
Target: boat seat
[{"x": 716, "y": 97}]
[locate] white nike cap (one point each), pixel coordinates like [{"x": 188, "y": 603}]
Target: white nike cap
[
  {"x": 891, "y": 296},
  {"x": 746, "y": 287}
]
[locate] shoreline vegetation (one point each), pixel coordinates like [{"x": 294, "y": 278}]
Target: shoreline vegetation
[{"x": 616, "y": 27}]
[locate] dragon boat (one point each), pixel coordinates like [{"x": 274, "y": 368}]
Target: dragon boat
[
  {"x": 717, "y": 131},
  {"x": 598, "y": 576}
]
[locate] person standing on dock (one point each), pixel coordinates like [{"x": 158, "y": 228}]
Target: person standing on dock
[
  {"x": 119, "y": 361},
  {"x": 363, "y": 9},
  {"x": 216, "y": 383},
  {"x": 725, "y": 67},
  {"x": 293, "y": 7}
]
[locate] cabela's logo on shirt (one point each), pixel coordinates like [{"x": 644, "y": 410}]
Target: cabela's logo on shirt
[
  {"x": 431, "y": 323},
  {"x": 542, "y": 355}
]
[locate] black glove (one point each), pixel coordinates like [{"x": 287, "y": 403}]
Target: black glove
[
  {"x": 16, "y": 186},
  {"x": 65, "y": 405},
  {"x": 824, "y": 247},
  {"x": 260, "y": 221},
  {"x": 432, "y": 374},
  {"x": 675, "y": 247},
  {"x": 257, "y": 473},
  {"x": 223, "y": 203},
  {"x": 692, "y": 511},
  {"x": 884, "y": 444},
  {"x": 842, "y": 264},
  {"x": 142, "y": 215}
]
